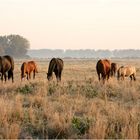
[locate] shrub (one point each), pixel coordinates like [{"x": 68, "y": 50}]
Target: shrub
[
  {"x": 27, "y": 89},
  {"x": 80, "y": 124},
  {"x": 89, "y": 91}
]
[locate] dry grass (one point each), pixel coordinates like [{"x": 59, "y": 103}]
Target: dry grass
[{"x": 78, "y": 107}]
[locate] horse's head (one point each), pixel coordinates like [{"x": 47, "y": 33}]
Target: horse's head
[
  {"x": 49, "y": 76},
  {"x": 23, "y": 75}
]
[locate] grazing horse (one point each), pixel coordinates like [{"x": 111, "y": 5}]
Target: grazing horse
[
  {"x": 27, "y": 68},
  {"x": 6, "y": 66},
  {"x": 127, "y": 71},
  {"x": 103, "y": 68},
  {"x": 114, "y": 68},
  {"x": 56, "y": 66}
]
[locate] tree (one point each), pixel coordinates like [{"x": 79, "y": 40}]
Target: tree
[{"x": 14, "y": 45}]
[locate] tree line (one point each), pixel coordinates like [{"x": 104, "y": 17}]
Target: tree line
[
  {"x": 18, "y": 47},
  {"x": 14, "y": 45},
  {"x": 87, "y": 53}
]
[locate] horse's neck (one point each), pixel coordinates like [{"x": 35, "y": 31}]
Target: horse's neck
[{"x": 51, "y": 68}]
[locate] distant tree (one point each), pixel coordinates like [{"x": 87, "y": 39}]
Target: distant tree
[
  {"x": 14, "y": 45},
  {"x": 3, "y": 45},
  {"x": 2, "y": 51}
]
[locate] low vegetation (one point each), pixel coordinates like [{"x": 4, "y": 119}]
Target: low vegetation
[{"x": 78, "y": 107}]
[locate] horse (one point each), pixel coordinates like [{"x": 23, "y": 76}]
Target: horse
[
  {"x": 103, "y": 68},
  {"x": 27, "y": 68},
  {"x": 7, "y": 66},
  {"x": 56, "y": 66},
  {"x": 127, "y": 71},
  {"x": 114, "y": 68}
]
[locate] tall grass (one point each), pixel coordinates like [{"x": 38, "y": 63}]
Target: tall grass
[{"x": 78, "y": 107}]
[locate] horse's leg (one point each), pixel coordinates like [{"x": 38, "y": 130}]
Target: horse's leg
[
  {"x": 34, "y": 74},
  {"x": 99, "y": 76},
  {"x": 57, "y": 75},
  {"x": 10, "y": 74},
  {"x": 103, "y": 78},
  {"x": 2, "y": 77},
  {"x": 27, "y": 76},
  {"x": 5, "y": 77},
  {"x": 123, "y": 77},
  {"x": 134, "y": 77},
  {"x": 131, "y": 77},
  {"x": 108, "y": 76},
  {"x": 12, "y": 77},
  {"x": 60, "y": 75}
]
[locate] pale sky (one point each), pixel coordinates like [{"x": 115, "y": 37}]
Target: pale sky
[{"x": 73, "y": 24}]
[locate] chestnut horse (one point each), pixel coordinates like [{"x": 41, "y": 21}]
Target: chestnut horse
[
  {"x": 27, "y": 68},
  {"x": 103, "y": 68},
  {"x": 6, "y": 66},
  {"x": 127, "y": 71},
  {"x": 56, "y": 66}
]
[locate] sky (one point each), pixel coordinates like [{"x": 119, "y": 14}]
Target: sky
[{"x": 73, "y": 24}]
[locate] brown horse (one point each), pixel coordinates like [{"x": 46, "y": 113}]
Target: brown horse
[
  {"x": 103, "y": 68},
  {"x": 27, "y": 68},
  {"x": 7, "y": 66},
  {"x": 127, "y": 71},
  {"x": 114, "y": 68},
  {"x": 56, "y": 66}
]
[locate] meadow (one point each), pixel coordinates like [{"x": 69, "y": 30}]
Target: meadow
[{"x": 78, "y": 107}]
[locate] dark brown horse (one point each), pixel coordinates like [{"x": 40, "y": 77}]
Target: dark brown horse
[
  {"x": 27, "y": 68},
  {"x": 114, "y": 68},
  {"x": 6, "y": 66},
  {"x": 56, "y": 66},
  {"x": 103, "y": 68},
  {"x": 127, "y": 71}
]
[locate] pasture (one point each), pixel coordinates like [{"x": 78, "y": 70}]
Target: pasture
[{"x": 78, "y": 107}]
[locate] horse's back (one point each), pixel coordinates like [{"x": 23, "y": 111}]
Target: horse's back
[
  {"x": 103, "y": 66},
  {"x": 127, "y": 70},
  {"x": 130, "y": 70},
  {"x": 60, "y": 63},
  {"x": 32, "y": 66},
  {"x": 10, "y": 59},
  {"x": 6, "y": 64}
]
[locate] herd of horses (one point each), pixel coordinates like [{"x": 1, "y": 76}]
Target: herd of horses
[{"x": 105, "y": 69}]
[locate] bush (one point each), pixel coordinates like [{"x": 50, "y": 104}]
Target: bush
[
  {"x": 27, "y": 89},
  {"x": 80, "y": 124}
]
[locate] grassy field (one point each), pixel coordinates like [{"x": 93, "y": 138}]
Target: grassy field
[{"x": 78, "y": 107}]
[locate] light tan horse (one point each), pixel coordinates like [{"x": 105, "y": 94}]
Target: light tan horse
[
  {"x": 127, "y": 71},
  {"x": 27, "y": 68}
]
